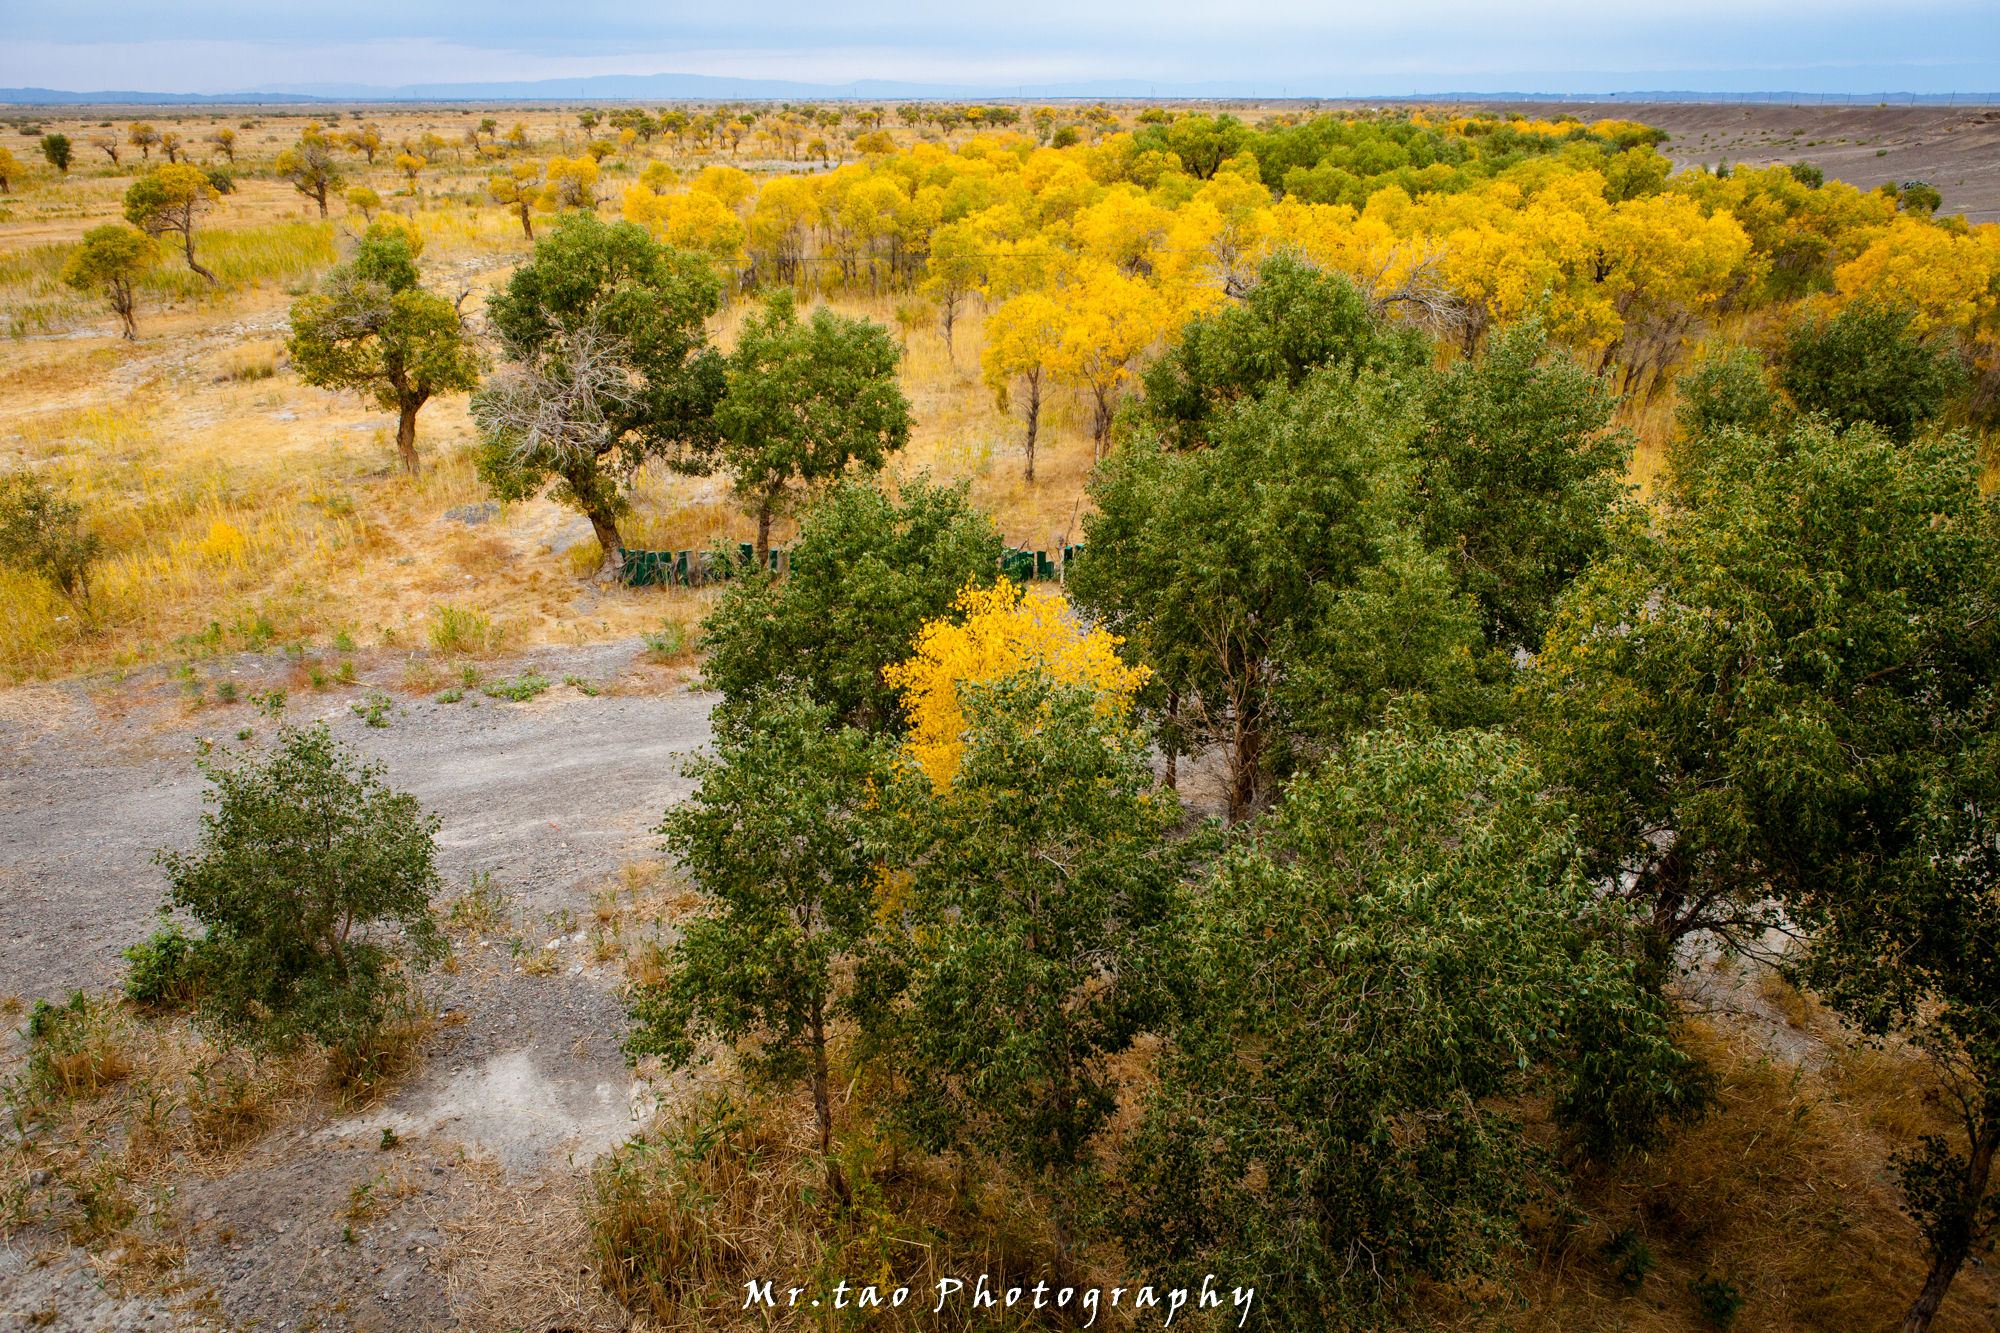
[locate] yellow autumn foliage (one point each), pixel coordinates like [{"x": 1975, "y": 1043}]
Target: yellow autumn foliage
[{"x": 1006, "y": 630}]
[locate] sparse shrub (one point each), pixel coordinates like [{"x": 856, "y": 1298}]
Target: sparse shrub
[
  {"x": 581, "y": 685},
  {"x": 42, "y": 533},
  {"x": 343, "y": 642},
  {"x": 451, "y": 696},
  {"x": 483, "y": 907},
  {"x": 226, "y": 691},
  {"x": 455, "y": 630},
  {"x": 671, "y": 640},
  {"x": 521, "y": 689},
  {"x": 345, "y": 673},
  {"x": 671, "y": 1211},
  {"x": 374, "y": 708},
  {"x": 1717, "y": 1300},
  {"x": 1630, "y": 1258},
  {"x": 76, "y": 1052}
]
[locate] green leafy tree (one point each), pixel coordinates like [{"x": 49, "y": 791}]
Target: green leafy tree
[
  {"x": 309, "y": 166},
  {"x": 42, "y": 533},
  {"x": 806, "y": 402},
  {"x": 1519, "y": 476},
  {"x": 111, "y": 258},
  {"x": 1739, "y": 695},
  {"x": 868, "y": 570},
  {"x": 1867, "y": 364},
  {"x": 610, "y": 368},
  {"x": 1404, "y": 945},
  {"x": 1217, "y": 564},
  {"x": 172, "y": 198},
  {"x": 1294, "y": 320},
  {"x": 55, "y": 148},
  {"x": 1910, "y": 944},
  {"x": 314, "y": 881},
  {"x": 772, "y": 838},
  {"x": 1034, "y": 894},
  {"x": 374, "y": 330}
]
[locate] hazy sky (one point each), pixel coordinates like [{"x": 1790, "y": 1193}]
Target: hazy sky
[{"x": 1330, "y": 47}]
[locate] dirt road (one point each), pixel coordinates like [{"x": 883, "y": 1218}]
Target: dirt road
[{"x": 545, "y": 794}]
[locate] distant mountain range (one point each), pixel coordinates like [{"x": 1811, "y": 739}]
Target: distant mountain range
[{"x": 706, "y": 88}]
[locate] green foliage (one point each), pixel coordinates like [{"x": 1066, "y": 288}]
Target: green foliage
[
  {"x": 867, "y": 572},
  {"x": 1296, "y": 499},
  {"x": 1920, "y": 197},
  {"x": 1787, "y": 639},
  {"x": 1630, "y": 1258},
  {"x": 806, "y": 402},
  {"x": 1808, "y": 175},
  {"x": 1347, "y": 158},
  {"x": 1866, "y": 364},
  {"x": 772, "y": 839},
  {"x": 521, "y": 689},
  {"x": 1399, "y": 949},
  {"x": 42, "y": 533},
  {"x": 1717, "y": 1300},
  {"x": 1519, "y": 474},
  {"x": 374, "y": 708},
  {"x": 314, "y": 882},
  {"x": 605, "y": 329},
  {"x": 56, "y": 150},
  {"x": 166, "y": 969},
  {"x": 1295, "y": 320},
  {"x": 1035, "y": 898},
  {"x": 1729, "y": 388},
  {"x": 375, "y": 331},
  {"x": 456, "y": 629},
  {"x": 667, "y": 642}
]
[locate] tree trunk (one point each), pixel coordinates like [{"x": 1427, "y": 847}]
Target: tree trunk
[
  {"x": 1245, "y": 751},
  {"x": 527, "y": 222},
  {"x": 1034, "y": 418},
  {"x": 605, "y": 525},
  {"x": 1173, "y": 738},
  {"x": 764, "y": 530},
  {"x": 195, "y": 264},
  {"x": 1100, "y": 426},
  {"x": 406, "y": 433},
  {"x": 823, "y": 1105},
  {"x": 320, "y": 194},
  {"x": 121, "y": 301},
  {"x": 1958, "y": 1238}
]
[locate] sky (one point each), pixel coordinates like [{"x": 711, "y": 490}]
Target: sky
[{"x": 1258, "y": 47}]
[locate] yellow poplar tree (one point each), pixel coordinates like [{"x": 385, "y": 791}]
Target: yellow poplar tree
[
  {"x": 1005, "y": 629},
  {"x": 1023, "y": 338}
]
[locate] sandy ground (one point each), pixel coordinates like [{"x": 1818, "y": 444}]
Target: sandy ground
[
  {"x": 523, "y": 1088},
  {"x": 1954, "y": 148}
]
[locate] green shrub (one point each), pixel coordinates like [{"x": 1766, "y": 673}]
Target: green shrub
[
  {"x": 1867, "y": 364},
  {"x": 525, "y": 687},
  {"x": 1631, "y": 1258},
  {"x": 1717, "y": 1300},
  {"x": 42, "y": 532},
  {"x": 456, "y": 630},
  {"x": 314, "y": 881},
  {"x": 670, "y": 642},
  {"x": 166, "y": 969}
]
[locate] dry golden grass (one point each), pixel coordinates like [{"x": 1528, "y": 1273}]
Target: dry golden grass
[{"x": 1783, "y": 1192}]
